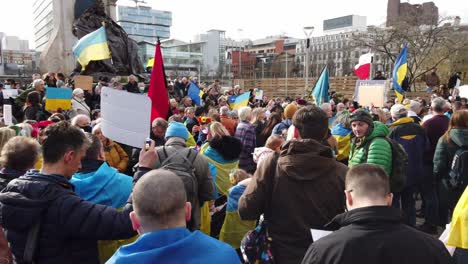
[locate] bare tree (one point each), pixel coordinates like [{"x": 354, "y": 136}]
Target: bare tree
[{"x": 428, "y": 45}]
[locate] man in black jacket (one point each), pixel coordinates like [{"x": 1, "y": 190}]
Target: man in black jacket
[
  {"x": 372, "y": 231},
  {"x": 68, "y": 227},
  {"x": 132, "y": 85}
]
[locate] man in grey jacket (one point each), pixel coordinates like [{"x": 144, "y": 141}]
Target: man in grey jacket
[{"x": 187, "y": 164}]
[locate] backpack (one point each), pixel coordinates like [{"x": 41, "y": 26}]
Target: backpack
[
  {"x": 458, "y": 173},
  {"x": 399, "y": 165},
  {"x": 182, "y": 168}
]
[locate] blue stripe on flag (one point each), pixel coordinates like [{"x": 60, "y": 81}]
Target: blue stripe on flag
[
  {"x": 95, "y": 37},
  {"x": 58, "y": 93}
]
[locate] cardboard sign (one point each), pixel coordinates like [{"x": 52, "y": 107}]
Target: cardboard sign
[
  {"x": 58, "y": 98},
  {"x": 13, "y": 93},
  {"x": 125, "y": 116},
  {"x": 84, "y": 82},
  {"x": 371, "y": 92}
]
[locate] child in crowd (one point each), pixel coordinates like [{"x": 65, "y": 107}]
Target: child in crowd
[
  {"x": 234, "y": 228},
  {"x": 273, "y": 144}
]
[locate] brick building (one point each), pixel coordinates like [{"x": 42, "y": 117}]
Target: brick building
[{"x": 414, "y": 14}]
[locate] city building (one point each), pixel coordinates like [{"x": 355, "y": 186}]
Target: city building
[
  {"x": 344, "y": 24},
  {"x": 15, "y": 56},
  {"x": 414, "y": 14},
  {"x": 14, "y": 43},
  {"x": 143, "y": 23}
]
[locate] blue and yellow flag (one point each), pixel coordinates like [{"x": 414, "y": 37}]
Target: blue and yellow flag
[
  {"x": 320, "y": 92},
  {"x": 92, "y": 47},
  {"x": 241, "y": 100},
  {"x": 195, "y": 93},
  {"x": 58, "y": 98},
  {"x": 399, "y": 73}
]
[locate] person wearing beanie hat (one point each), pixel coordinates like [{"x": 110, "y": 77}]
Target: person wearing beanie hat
[
  {"x": 289, "y": 112},
  {"x": 369, "y": 144},
  {"x": 176, "y": 129}
]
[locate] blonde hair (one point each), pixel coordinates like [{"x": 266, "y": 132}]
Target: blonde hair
[
  {"x": 238, "y": 175},
  {"x": 217, "y": 130},
  {"x": 256, "y": 113},
  {"x": 5, "y": 135},
  {"x": 20, "y": 153}
]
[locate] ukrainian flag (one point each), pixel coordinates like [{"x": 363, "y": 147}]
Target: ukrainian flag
[
  {"x": 92, "y": 47},
  {"x": 241, "y": 100},
  {"x": 399, "y": 73},
  {"x": 58, "y": 98},
  {"x": 320, "y": 91},
  {"x": 195, "y": 93}
]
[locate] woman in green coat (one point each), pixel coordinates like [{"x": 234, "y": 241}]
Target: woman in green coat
[
  {"x": 369, "y": 137},
  {"x": 454, "y": 139}
]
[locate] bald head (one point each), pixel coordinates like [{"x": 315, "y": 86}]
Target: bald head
[{"x": 159, "y": 199}]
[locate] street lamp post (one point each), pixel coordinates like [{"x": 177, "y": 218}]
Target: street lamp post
[{"x": 308, "y": 32}]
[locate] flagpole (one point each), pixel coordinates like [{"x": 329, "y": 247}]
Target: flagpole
[
  {"x": 316, "y": 81},
  {"x": 371, "y": 62}
]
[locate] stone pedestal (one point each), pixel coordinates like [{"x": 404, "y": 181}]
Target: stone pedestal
[{"x": 57, "y": 56}]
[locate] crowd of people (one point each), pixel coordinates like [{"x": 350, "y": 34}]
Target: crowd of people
[{"x": 214, "y": 171}]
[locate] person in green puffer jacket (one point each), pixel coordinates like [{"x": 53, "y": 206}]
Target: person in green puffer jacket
[{"x": 370, "y": 132}]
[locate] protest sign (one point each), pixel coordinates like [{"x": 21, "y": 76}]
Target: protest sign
[
  {"x": 13, "y": 93},
  {"x": 463, "y": 91},
  {"x": 84, "y": 82},
  {"x": 7, "y": 115},
  {"x": 370, "y": 92},
  {"x": 58, "y": 98},
  {"x": 258, "y": 94},
  {"x": 125, "y": 116},
  {"x": 318, "y": 234}
]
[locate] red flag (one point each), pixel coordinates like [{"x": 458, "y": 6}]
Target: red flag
[{"x": 157, "y": 90}]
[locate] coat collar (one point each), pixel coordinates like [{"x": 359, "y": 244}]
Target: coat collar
[{"x": 366, "y": 215}]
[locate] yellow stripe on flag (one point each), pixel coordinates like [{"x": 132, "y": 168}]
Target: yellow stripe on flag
[
  {"x": 54, "y": 104},
  {"x": 94, "y": 52}
]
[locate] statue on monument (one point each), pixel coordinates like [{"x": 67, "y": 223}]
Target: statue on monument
[{"x": 89, "y": 16}]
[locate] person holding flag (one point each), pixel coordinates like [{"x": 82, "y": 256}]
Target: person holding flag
[
  {"x": 194, "y": 92},
  {"x": 399, "y": 73}
]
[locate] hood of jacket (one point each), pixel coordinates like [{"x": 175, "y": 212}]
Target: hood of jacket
[
  {"x": 366, "y": 215},
  {"x": 379, "y": 130},
  {"x": 402, "y": 121},
  {"x": 104, "y": 186},
  {"x": 25, "y": 198},
  {"x": 459, "y": 136},
  {"x": 298, "y": 157}
]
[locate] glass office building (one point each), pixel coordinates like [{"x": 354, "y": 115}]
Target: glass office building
[{"x": 144, "y": 24}]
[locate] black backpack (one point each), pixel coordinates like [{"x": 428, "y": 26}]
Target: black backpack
[
  {"x": 184, "y": 169},
  {"x": 399, "y": 165},
  {"x": 458, "y": 173}
]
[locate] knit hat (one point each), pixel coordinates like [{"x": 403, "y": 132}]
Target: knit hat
[
  {"x": 361, "y": 115},
  {"x": 289, "y": 111},
  {"x": 176, "y": 129}
]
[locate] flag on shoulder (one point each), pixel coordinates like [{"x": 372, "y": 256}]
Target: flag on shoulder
[
  {"x": 195, "y": 93},
  {"x": 362, "y": 69},
  {"x": 157, "y": 91},
  {"x": 399, "y": 73},
  {"x": 320, "y": 91},
  {"x": 92, "y": 47}
]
